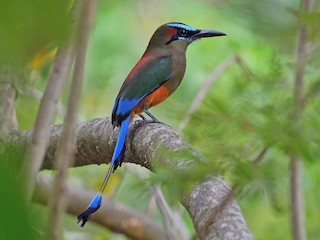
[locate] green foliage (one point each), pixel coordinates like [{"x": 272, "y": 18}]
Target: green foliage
[
  {"x": 15, "y": 217},
  {"x": 256, "y": 114},
  {"x": 27, "y": 28}
]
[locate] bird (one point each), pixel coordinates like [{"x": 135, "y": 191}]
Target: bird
[{"x": 152, "y": 80}]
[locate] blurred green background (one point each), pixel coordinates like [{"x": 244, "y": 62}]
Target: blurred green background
[{"x": 242, "y": 114}]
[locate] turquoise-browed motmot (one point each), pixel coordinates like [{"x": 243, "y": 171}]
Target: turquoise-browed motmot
[{"x": 153, "y": 79}]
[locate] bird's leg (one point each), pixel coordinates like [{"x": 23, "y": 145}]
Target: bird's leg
[
  {"x": 142, "y": 117},
  {"x": 145, "y": 110},
  {"x": 151, "y": 116},
  {"x": 154, "y": 119}
]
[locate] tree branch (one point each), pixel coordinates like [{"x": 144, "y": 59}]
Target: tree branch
[
  {"x": 296, "y": 163},
  {"x": 8, "y": 121},
  {"x": 211, "y": 204},
  {"x": 46, "y": 113},
  {"x": 65, "y": 152},
  {"x": 117, "y": 217}
]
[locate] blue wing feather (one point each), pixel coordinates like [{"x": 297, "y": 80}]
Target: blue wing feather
[
  {"x": 143, "y": 82},
  {"x": 126, "y": 105}
]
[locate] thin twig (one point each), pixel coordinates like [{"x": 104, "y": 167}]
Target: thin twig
[
  {"x": 65, "y": 154},
  {"x": 165, "y": 213},
  {"x": 245, "y": 68},
  {"x": 314, "y": 91},
  {"x": 260, "y": 157},
  {"x": 151, "y": 205},
  {"x": 236, "y": 188},
  {"x": 46, "y": 113},
  {"x": 8, "y": 96},
  {"x": 173, "y": 223},
  {"x": 296, "y": 165}
]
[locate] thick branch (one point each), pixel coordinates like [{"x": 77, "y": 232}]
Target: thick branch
[
  {"x": 211, "y": 204},
  {"x": 215, "y": 212}
]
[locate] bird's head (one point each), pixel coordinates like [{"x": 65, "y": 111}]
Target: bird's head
[{"x": 179, "y": 35}]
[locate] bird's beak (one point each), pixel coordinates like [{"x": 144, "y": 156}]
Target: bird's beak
[{"x": 204, "y": 33}]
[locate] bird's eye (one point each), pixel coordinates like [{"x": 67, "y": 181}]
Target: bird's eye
[{"x": 182, "y": 32}]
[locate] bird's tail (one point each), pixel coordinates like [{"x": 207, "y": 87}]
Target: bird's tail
[
  {"x": 120, "y": 148},
  {"x": 116, "y": 162}
]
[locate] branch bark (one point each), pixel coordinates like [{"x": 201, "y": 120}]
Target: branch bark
[{"x": 211, "y": 204}]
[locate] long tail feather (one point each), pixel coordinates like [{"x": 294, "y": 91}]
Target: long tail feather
[
  {"x": 116, "y": 161},
  {"x": 106, "y": 178},
  {"x": 120, "y": 148}
]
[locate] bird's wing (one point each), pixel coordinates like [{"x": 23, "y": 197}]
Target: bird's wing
[{"x": 148, "y": 75}]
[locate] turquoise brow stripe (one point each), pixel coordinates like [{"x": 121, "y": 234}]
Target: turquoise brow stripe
[{"x": 179, "y": 25}]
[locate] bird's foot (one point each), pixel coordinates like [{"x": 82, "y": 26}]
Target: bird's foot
[
  {"x": 139, "y": 123},
  {"x": 153, "y": 119}
]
